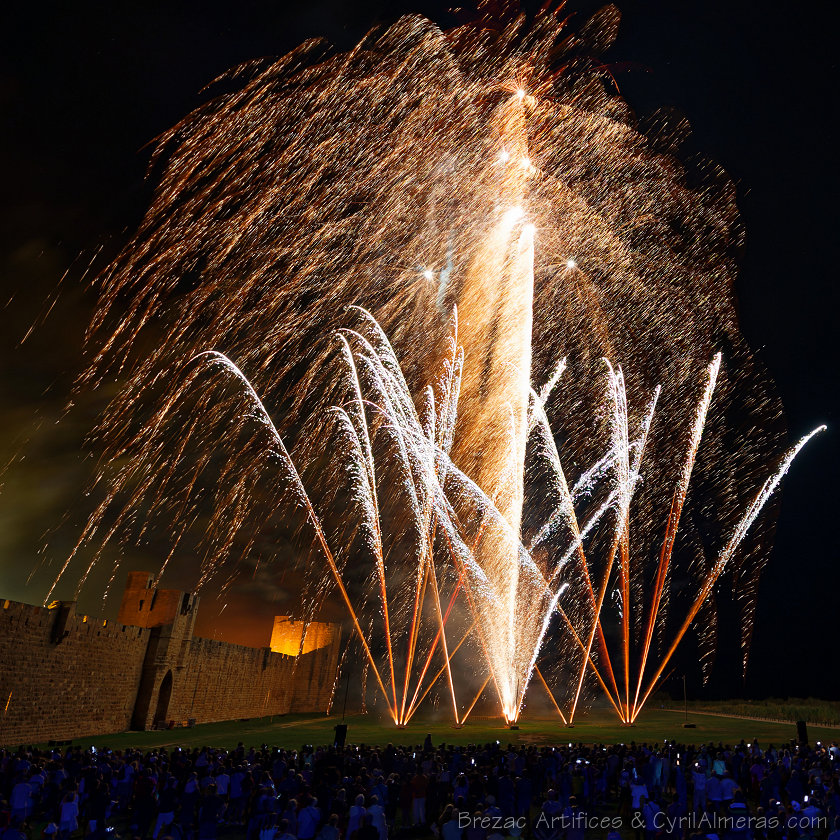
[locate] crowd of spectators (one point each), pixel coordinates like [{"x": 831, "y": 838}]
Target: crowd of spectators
[{"x": 483, "y": 792}]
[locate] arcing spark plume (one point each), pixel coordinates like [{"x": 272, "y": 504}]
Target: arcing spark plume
[
  {"x": 489, "y": 168},
  {"x": 380, "y": 416},
  {"x": 766, "y": 491},
  {"x": 636, "y": 645}
]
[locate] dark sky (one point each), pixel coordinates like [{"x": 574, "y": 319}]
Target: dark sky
[{"x": 84, "y": 87}]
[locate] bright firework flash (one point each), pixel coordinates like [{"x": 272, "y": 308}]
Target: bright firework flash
[{"x": 489, "y": 168}]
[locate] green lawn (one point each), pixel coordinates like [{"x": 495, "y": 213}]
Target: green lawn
[
  {"x": 654, "y": 725},
  {"x": 826, "y": 712}
]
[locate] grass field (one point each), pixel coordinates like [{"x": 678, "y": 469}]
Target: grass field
[
  {"x": 654, "y": 725},
  {"x": 818, "y": 712}
]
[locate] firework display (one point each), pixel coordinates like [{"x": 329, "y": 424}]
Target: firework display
[{"x": 490, "y": 207}]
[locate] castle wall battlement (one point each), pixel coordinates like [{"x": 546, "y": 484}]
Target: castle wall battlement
[
  {"x": 65, "y": 675},
  {"x": 71, "y": 676}
]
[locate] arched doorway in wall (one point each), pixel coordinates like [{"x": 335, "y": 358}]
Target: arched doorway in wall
[{"x": 164, "y": 694}]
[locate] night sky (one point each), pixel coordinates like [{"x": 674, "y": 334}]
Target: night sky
[{"x": 85, "y": 88}]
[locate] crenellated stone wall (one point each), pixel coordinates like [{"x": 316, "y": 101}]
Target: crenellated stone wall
[{"x": 64, "y": 675}]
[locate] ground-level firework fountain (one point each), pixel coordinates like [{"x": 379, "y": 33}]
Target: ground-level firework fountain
[
  {"x": 481, "y": 177},
  {"x": 462, "y": 543},
  {"x": 625, "y": 571}
]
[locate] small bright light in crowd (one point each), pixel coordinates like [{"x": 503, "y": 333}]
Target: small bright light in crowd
[
  {"x": 571, "y": 265},
  {"x": 504, "y": 156},
  {"x": 526, "y": 163},
  {"x": 521, "y": 94},
  {"x": 514, "y": 214},
  {"x": 429, "y": 274}
]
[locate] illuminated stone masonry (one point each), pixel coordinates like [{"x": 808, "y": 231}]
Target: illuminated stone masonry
[{"x": 68, "y": 675}]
